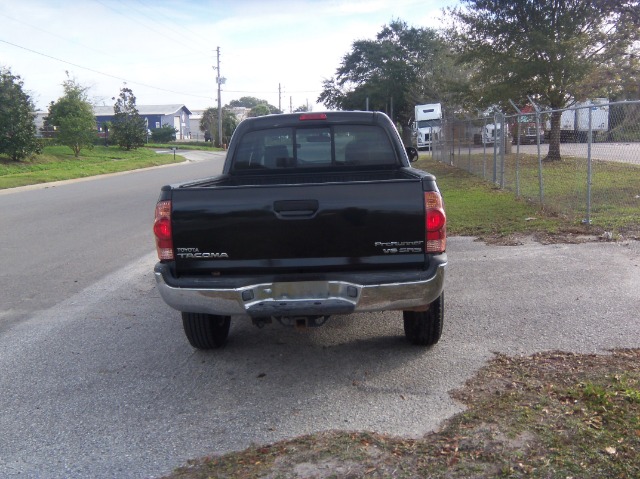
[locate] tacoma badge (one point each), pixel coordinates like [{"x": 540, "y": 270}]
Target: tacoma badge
[{"x": 189, "y": 253}]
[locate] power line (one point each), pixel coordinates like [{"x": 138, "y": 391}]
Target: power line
[
  {"x": 141, "y": 12},
  {"x": 172, "y": 21},
  {"x": 140, "y": 22},
  {"x": 271, "y": 91},
  {"x": 53, "y": 34},
  {"x": 102, "y": 73}
]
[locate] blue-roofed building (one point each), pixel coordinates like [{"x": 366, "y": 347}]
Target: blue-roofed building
[{"x": 155, "y": 116}]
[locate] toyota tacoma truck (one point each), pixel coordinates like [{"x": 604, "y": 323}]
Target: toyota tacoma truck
[{"x": 313, "y": 215}]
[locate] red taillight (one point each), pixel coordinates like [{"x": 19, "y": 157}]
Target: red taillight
[
  {"x": 435, "y": 219},
  {"x": 313, "y": 116},
  {"x": 436, "y": 223},
  {"x": 162, "y": 230}
]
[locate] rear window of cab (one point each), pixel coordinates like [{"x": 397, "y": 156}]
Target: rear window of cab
[{"x": 295, "y": 148}]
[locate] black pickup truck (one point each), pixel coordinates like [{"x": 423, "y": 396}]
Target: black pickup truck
[{"x": 314, "y": 214}]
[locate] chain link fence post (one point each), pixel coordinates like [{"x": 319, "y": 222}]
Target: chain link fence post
[
  {"x": 587, "y": 220},
  {"x": 503, "y": 135}
]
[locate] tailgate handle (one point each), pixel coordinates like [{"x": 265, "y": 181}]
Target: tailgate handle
[{"x": 296, "y": 208}]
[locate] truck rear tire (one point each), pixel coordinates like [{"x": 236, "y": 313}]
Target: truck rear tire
[
  {"x": 424, "y": 328},
  {"x": 206, "y": 331}
]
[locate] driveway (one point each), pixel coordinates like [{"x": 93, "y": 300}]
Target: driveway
[{"x": 104, "y": 384}]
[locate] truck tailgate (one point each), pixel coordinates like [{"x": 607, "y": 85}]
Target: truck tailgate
[{"x": 341, "y": 226}]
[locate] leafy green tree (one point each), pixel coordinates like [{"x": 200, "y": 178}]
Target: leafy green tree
[
  {"x": 252, "y": 102},
  {"x": 246, "y": 102},
  {"x": 129, "y": 130},
  {"x": 555, "y": 51},
  {"x": 301, "y": 109},
  {"x": 209, "y": 125},
  {"x": 259, "y": 110},
  {"x": 72, "y": 116},
  {"x": 17, "y": 128},
  {"x": 164, "y": 134},
  {"x": 622, "y": 79},
  {"x": 385, "y": 73}
]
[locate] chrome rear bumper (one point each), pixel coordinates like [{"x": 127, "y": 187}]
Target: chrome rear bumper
[{"x": 400, "y": 291}]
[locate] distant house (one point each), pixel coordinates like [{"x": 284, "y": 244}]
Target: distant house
[
  {"x": 155, "y": 116},
  {"x": 38, "y": 119},
  {"x": 194, "y": 119},
  {"x": 196, "y": 116},
  {"x": 240, "y": 112}
]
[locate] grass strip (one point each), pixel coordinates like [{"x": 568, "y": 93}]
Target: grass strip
[
  {"x": 476, "y": 207},
  {"x": 615, "y": 191},
  {"x": 58, "y": 163}
]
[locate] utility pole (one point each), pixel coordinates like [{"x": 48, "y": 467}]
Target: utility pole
[
  {"x": 220, "y": 81},
  {"x": 279, "y": 97}
]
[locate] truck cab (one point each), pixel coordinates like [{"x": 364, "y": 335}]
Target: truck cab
[{"x": 428, "y": 125}]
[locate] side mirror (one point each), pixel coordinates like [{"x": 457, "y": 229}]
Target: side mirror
[{"x": 412, "y": 153}]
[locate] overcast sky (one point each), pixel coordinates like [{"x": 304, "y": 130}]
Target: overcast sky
[{"x": 165, "y": 50}]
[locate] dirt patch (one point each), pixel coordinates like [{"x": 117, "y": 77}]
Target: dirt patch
[
  {"x": 570, "y": 237},
  {"x": 548, "y": 415}
]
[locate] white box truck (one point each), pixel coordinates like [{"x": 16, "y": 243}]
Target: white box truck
[
  {"x": 428, "y": 125},
  {"x": 492, "y": 133},
  {"x": 574, "y": 123}
]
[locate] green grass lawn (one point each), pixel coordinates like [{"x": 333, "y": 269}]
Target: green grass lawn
[
  {"x": 615, "y": 190},
  {"x": 58, "y": 163},
  {"x": 476, "y": 208}
]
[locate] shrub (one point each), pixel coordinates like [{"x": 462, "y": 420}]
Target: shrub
[{"x": 164, "y": 134}]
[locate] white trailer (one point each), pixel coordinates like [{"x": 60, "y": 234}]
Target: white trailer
[
  {"x": 428, "y": 124},
  {"x": 574, "y": 123}
]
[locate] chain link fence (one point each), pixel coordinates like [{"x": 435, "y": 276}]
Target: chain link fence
[{"x": 597, "y": 179}]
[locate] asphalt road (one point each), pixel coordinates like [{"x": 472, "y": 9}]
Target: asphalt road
[
  {"x": 58, "y": 238},
  {"x": 99, "y": 381},
  {"x": 624, "y": 152}
]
